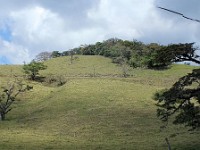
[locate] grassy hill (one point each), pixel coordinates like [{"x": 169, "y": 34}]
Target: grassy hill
[{"x": 96, "y": 109}]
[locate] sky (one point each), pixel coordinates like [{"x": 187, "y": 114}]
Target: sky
[{"x": 33, "y": 26}]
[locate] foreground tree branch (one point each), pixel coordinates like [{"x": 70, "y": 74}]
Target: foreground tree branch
[
  {"x": 181, "y": 100},
  {"x": 178, "y": 13}
]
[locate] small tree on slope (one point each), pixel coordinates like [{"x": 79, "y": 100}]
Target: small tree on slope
[
  {"x": 8, "y": 96},
  {"x": 32, "y": 69}
]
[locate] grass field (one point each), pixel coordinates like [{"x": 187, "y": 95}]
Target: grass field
[{"x": 96, "y": 109}]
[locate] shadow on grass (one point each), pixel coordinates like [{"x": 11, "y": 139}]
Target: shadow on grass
[
  {"x": 160, "y": 68},
  {"x": 186, "y": 147},
  {"x": 51, "y": 80}
]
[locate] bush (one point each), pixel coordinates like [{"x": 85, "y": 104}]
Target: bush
[{"x": 55, "y": 80}]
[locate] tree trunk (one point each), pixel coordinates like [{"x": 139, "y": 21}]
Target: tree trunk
[
  {"x": 33, "y": 76},
  {"x": 71, "y": 59},
  {"x": 168, "y": 144},
  {"x": 2, "y": 116}
]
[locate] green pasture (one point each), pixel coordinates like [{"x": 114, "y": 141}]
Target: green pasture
[{"x": 93, "y": 112}]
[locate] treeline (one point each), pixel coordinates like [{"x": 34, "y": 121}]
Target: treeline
[{"x": 134, "y": 53}]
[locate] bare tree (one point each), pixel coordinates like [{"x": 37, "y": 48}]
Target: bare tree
[
  {"x": 9, "y": 94},
  {"x": 71, "y": 56},
  {"x": 43, "y": 56}
]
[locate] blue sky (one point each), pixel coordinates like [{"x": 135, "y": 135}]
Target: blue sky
[
  {"x": 30, "y": 27},
  {"x": 5, "y": 33},
  {"x": 4, "y": 60}
]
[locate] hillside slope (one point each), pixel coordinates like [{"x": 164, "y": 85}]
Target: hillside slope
[
  {"x": 82, "y": 66},
  {"x": 102, "y": 112}
]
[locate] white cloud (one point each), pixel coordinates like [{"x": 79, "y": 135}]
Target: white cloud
[
  {"x": 38, "y": 29},
  {"x": 14, "y": 53},
  {"x": 33, "y": 30},
  {"x": 114, "y": 18},
  {"x": 128, "y": 19},
  {"x": 38, "y": 26}
]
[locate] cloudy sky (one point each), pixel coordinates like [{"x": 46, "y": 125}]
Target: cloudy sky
[{"x": 28, "y": 27}]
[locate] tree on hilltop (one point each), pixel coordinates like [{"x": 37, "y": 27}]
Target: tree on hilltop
[
  {"x": 43, "y": 56},
  {"x": 55, "y": 54}
]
